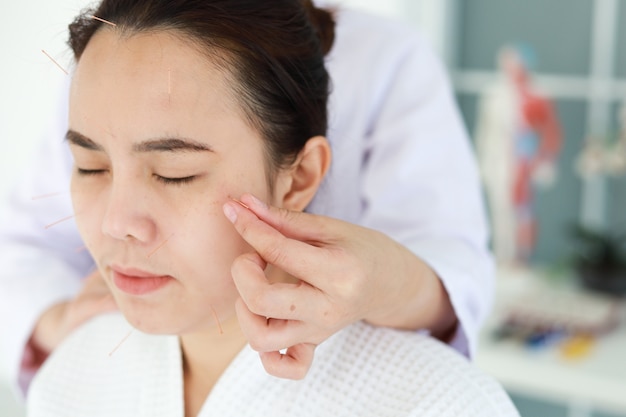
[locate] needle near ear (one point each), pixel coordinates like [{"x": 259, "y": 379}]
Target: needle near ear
[
  {"x": 240, "y": 203},
  {"x": 230, "y": 212}
]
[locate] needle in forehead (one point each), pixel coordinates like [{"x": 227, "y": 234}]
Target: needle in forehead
[
  {"x": 102, "y": 20},
  {"x": 169, "y": 86}
]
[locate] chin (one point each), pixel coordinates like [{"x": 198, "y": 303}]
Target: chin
[{"x": 152, "y": 320}]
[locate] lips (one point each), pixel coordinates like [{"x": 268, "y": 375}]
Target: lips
[{"x": 137, "y": 282}]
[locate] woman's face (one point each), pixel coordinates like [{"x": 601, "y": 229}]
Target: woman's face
[{"x": 159, "y": 145}]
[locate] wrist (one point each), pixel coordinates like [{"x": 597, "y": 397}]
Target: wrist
[
  {"x": 421, "y": 301},
  {"x": 401, "y": 304}
]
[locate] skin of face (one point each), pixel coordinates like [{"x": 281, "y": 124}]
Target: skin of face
[{"x": 130, "y": 96}]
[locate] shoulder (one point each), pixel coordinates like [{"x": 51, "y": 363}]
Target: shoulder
[
  {"x": 363, "y": 34},
  {"x": 405, "y": 373},
  {"x": 103, "y": 365},
  {"x": 379, "y": 64}
]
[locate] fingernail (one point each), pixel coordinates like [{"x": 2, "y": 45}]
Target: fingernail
[
  {"x": 258, "y": 203},
  {"x": 230, "y": 212}
]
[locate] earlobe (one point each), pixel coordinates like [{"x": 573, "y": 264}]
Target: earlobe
[{"x": 306, "y": 174}]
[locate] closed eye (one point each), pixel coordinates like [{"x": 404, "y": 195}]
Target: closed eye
[
  {"x": 175, "y": 181},
  {"x": 164, "y": 180},
  {"x": 88, "y": 172}
]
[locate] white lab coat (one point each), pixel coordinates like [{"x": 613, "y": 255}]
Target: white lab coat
[
  {"x": 360, "y": 371},
  {"x": 402, "y": 164}
]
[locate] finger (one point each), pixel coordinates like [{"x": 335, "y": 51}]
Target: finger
[
  {"x": 94, "y": 284},
  {"x": 278, "y": 300},
  {"x": 105, "y": 304},
  {"x": 95, "y": 295},
  {"x": 297, "y": 258},
  {"x": 88, "y": 307},
  {"x": 293, "y": 364},
  {"x": 311, "y": 228},
  {"x": 83, "y": 309},
  {"x": 267, "y": 335},
  {"x": 250, "y": 262}
]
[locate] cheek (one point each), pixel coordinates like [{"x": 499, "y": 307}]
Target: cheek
[
  {"x": 206, "y": 245},
  {"x": 205, "y": 225},
  {"x": 208, "y": 234},
  {"x": 87, "y": 211}
]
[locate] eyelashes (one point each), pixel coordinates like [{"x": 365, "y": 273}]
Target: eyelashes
[
  {"x": 175, "y": 181},
  {"x": 89, "y": 172},
  {"x": 164, "y": 180}
]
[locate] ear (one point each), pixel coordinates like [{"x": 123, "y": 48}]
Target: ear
[{"x": 297, "y": 185}]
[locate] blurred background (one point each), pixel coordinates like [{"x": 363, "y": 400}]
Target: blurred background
[{"x": 541, "y": 85}]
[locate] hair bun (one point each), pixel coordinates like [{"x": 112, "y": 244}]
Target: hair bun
[{"x": 324, "y": 24}]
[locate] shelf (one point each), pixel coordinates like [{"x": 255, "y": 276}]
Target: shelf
[{"x": 596, "y": 380}]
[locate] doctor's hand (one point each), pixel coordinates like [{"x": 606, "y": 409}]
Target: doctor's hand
[
  {"x": 344, "y": 273},
  {"x": 56, "y": 323}
]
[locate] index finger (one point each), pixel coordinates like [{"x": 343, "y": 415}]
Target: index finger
[
  {"x": 306, "y": 227},
  {"x": 295, "y": 257}
]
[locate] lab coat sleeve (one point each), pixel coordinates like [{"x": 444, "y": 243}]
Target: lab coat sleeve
[
  {"x": 420, "y": 181},
  {"x": 39, "y": 266}
]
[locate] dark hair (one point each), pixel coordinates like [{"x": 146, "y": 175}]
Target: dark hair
[{"x": 273, "y": 49}]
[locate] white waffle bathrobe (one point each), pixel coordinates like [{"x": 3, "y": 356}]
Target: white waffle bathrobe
[{"x": 360, "y": 371}]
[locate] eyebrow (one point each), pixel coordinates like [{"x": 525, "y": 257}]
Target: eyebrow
[
  {"x": 152, "y": 145},
  {"x": 81, "y": 140}
]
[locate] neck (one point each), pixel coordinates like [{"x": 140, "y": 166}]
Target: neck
[{"x": 206, "y": 355}]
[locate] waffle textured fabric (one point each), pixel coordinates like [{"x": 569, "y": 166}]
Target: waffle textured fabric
[{"x": 360, "y": 371}]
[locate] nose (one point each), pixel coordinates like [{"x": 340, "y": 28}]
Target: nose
[{"x": 127, "y": 215}]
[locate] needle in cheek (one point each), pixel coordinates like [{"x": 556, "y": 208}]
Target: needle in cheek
[
  {"x": 230, "y": 212},
  {"x": 240, "y": 203},
  {"x": 160, "y": 246}
]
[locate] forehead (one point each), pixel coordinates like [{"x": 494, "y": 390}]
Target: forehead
[{"x": 153, "y": 76}]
